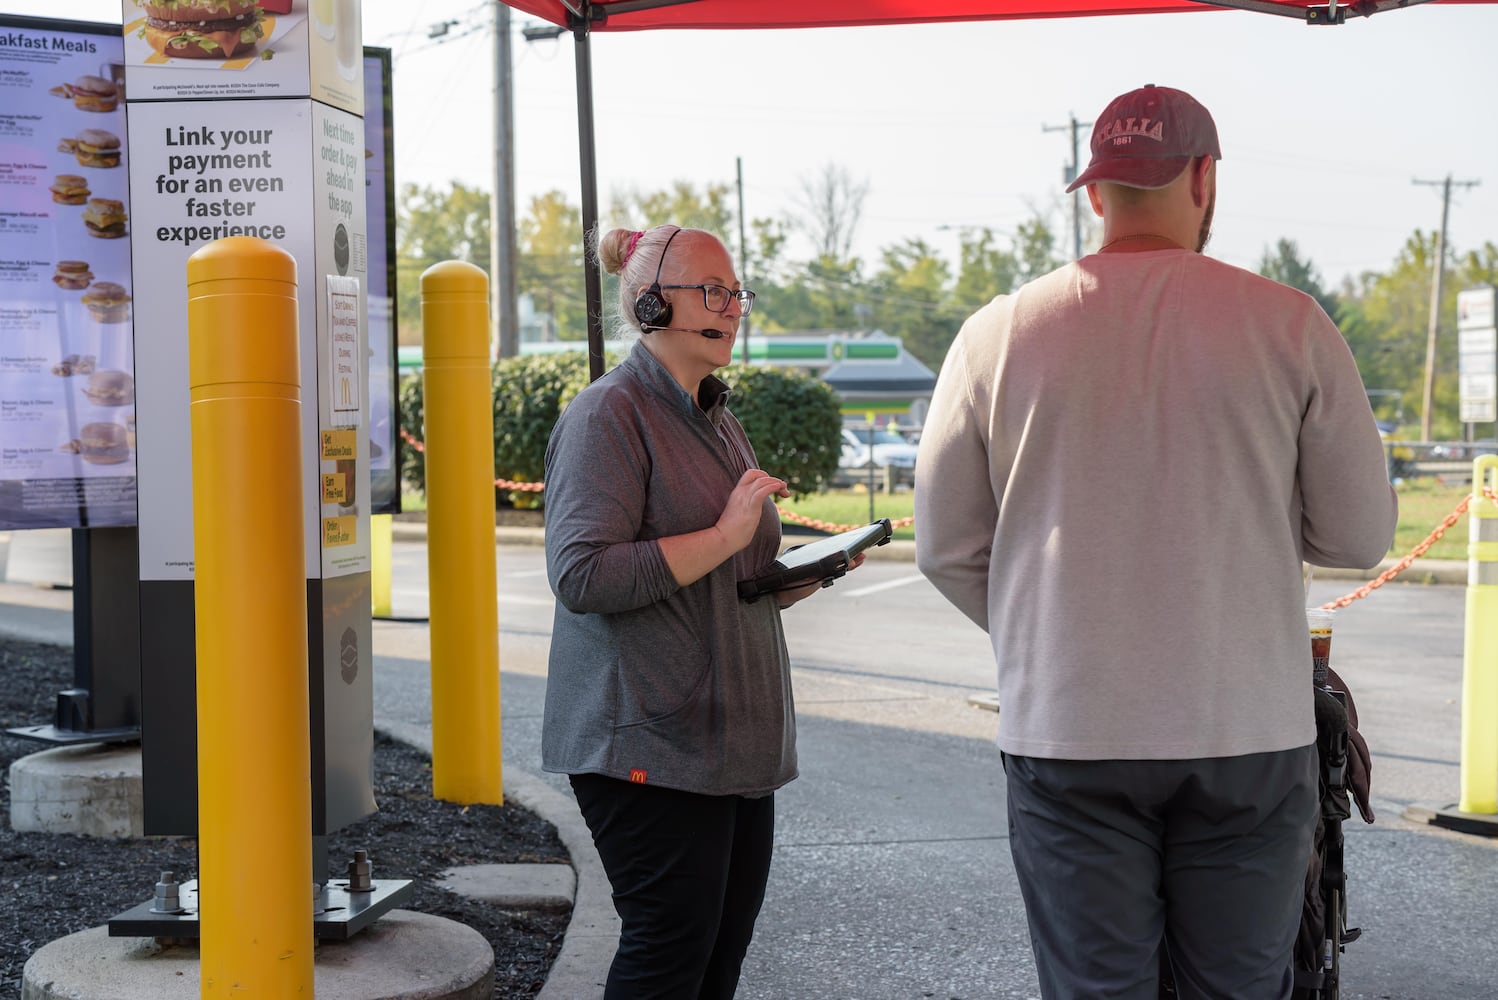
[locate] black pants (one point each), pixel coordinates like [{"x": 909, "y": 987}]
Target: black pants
[
  {"x": 689, "y": 875},
  {"x": 1210, "y": 856}
]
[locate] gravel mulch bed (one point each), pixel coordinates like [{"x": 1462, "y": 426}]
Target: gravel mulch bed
[{"x": 54, "y": 885}]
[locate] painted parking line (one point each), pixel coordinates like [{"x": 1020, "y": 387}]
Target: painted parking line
[{"x": 886, "y": 585}]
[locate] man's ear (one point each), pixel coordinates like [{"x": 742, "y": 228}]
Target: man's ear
[
  {"x": 1201, "y": 187},
  {"x": 1095, "y": 200}
]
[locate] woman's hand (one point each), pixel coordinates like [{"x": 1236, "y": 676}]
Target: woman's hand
[
  {"x": 695, "y": 554},
  {"x": 746, "y": 505}
]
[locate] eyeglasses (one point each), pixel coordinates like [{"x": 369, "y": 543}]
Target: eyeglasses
[{"x": 715, "y": 297}]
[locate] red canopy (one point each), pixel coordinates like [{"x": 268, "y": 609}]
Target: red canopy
[
  {"x": 639, "y": 15},
  {"x": 583, "y": 17}
]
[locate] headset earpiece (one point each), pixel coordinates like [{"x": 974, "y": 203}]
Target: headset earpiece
[{"x": 651, "y": 307}]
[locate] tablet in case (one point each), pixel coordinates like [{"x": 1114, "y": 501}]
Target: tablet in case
[{"x": 825, "y": 559}]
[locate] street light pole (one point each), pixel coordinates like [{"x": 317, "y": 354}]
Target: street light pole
[
  {"x": 744, "y": 321},
  {"x": 504, "y": 313}
]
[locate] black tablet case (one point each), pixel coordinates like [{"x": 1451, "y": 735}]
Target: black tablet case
[{"x": 825, "y": 559}]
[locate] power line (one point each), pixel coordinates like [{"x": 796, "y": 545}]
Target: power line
[{"x": 1070, "y": 174}]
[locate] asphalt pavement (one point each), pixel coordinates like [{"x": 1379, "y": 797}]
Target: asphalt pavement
[{"x": 892, "y": 876}]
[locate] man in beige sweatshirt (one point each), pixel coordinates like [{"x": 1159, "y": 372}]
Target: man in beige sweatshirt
[{"x": 1124, "y": 466}]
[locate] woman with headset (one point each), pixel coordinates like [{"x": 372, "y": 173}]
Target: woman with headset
[{"x": 668, "y": 699}]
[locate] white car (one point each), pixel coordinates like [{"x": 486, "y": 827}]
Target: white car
[{"x": 890, "y": 449}]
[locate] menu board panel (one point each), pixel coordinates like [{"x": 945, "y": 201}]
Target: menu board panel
[
  {"x": 67, "y": 370},
  {"x": 379, "y": 188}
]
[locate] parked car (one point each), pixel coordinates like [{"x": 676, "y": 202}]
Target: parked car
[
  {"x": 1401, "y": 457},
  {"x": 890, "y": 450}
]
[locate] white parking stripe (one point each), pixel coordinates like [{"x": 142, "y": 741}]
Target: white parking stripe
[{"x": 886, "y": 585}]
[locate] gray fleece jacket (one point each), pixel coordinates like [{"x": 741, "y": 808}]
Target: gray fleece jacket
[{"x": 684, "y": 687}]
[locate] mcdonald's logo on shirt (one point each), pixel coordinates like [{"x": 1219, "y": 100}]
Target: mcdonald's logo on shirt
[{"x": 637, "y": 775}]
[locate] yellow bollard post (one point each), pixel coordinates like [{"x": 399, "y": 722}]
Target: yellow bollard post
[
  {"x": 381, "y": 528},
  {"x": 250, "y": 593},
  {"x": 458, "y": 399},
  {"x": 1479, "y": 766}
]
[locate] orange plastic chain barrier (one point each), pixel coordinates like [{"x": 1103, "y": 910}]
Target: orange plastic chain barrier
[
  {"x": 504, "y": 484},
  {"x": 812, "y": 522},
  {"x": 1448, "y": 522}
]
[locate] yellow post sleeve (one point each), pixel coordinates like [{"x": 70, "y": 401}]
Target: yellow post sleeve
[
  {"x": 458, "y": 399},
  {"x": 250, "y": 593},
  {"x": 381, "y": 528},
  {"x": 1479, "y": 765}
]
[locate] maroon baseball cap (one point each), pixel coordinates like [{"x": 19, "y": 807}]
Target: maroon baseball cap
[{"x": 1146, "y": 137}]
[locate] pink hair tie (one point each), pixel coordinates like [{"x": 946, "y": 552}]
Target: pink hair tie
[{"x": 629, "y": 251}]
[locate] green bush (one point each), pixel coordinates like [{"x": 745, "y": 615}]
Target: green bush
[
  {"x": 530, "y": 392},
  {"x": 793, "y": 420},
  {"x": 413, "y": 466}
]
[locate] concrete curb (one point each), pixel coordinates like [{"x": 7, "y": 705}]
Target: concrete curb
[
  {"x": 1429, "y": 571},
  {"x": 593, "y": 932}
]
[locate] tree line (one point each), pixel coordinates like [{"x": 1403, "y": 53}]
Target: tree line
[{"x": 911, "y": 291}]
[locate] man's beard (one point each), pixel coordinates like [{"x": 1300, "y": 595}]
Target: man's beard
[{"x": 1204, "y": 234}]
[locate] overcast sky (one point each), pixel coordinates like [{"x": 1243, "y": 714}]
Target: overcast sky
[{"x": 1324, "y": 129}]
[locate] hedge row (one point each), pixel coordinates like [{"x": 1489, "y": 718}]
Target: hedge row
[{"x": 792, "y": 418}]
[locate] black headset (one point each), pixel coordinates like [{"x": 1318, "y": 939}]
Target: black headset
[{"x": 651, "y": 307}]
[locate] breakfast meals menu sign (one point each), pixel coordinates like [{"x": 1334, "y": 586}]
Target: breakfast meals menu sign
[{"x": 67, "y": 372}]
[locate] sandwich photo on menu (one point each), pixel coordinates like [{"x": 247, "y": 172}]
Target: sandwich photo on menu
[
  {"x": 72, "y": 275},
  {"x": 94, "y": 147},
  {"x": 108, "y": 302},
  {"x": 90, "y": 93},
  {"x": 110, "y": 387},
  {"x": 103, "y": 443},
  {"x": 69, "y": 189},
  {"x": 105, "y": 218},
  {"x": 202, "y": 29}
]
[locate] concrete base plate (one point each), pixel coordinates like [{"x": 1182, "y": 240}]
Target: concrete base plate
[
  {"x": 1452, "y": 818},
  {"x": 93, "y": 789},
  {"x": 402, "y": 956}
]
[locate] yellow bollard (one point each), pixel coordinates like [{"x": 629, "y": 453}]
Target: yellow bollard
[
  {"x": 458, "y": 397},
  {"x": 254, "y": 754},
  {"x": 381, "y": 527},
  {"x": 1479, "y": 767}
]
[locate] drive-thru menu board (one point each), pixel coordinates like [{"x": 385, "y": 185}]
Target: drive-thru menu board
[{"x": 67, "y": 373}]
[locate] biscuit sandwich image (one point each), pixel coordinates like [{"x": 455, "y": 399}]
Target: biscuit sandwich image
[
  {"x": 105, "y": 218},
  {"x": 202, "y": 29},
  {"x": 69, "y": 189},
  {"x": 103, "y": 444},
  {"x": 97, "y": 147},
  {"x": 72, "y": 275},
  {"x": 108, "y": 302},
  {"x": 110, "y": 387}
]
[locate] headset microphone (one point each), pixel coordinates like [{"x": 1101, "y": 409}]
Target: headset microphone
[{"x": 710, "y": 334}]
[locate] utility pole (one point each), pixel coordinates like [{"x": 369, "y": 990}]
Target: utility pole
[
  {"x": 1435, "y": 300},
  {"x": 744, "y": 321},
  {"x": 505, "y": 315},
  {"x": 1070, "y": 174}
]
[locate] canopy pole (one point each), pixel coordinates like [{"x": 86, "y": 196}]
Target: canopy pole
[{"x": 593, "y": 286}]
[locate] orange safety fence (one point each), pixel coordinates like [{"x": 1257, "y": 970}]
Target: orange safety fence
[
  {"x": 1448, "y": 522},
  {"x": 504, "y": 484}
]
